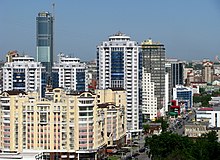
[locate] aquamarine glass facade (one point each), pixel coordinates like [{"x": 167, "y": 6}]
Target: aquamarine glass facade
[{"x": 44, "y": 36}]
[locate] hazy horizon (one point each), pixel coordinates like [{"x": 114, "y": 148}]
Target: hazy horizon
[{"x": 188, "y": 29}]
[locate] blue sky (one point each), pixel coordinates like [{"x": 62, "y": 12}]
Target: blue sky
[{"x": 189, "y": 29}]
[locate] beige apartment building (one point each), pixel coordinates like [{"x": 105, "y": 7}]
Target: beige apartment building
[{"x": 61, "y": 125}]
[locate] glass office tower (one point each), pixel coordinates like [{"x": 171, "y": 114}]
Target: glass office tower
[
  {"x": 44, "y": 36},
  {"x": 154, "y": 63}
]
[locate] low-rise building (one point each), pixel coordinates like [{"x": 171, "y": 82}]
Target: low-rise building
[
  {"x": 195, "y": 130},
  {"x": 210, "y": 115},
  {"x": 183, "y": 95}
]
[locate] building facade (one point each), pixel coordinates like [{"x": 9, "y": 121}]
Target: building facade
[
  {"x": 70, "y": 74},
  {"x": 177, "y": 72},
  {"x": 195, "y": 130},
  {"x": 118, "y": 67},
  {"x": 184, "y": 95},
  {"x": 44, "y": 39},
  {"x": 24, "y": 74},
  {"x": 149, "y": 101},
  {"x": 207, "y": 71},
  {"x": 63, "y": 126},
  {"x": 92, "y": 74},
  {"x": 153, "y": 57}
]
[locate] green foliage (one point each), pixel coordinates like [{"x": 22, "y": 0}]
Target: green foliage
[
  {"x": 204, "y": 99},
  {"x": 202, "y": 91},
  {"x": 146, "y": 128},
  {"x": 189, "y": 65},
  {"x": 164, "y": 123},
  {"x": 169, "y": 146},
  {"x": 113, "y": 158},
  {"x": 216, "y": 93}
]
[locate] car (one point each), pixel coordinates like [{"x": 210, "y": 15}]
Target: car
[
  {"x": 136, "y": 142},
  {"x": 141, "y": 150},
  {"x": 132, "y": 145},
  {"x": 135, "y": 154}
]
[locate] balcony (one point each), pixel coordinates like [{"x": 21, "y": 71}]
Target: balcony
[{"x": 43, "y": 122}]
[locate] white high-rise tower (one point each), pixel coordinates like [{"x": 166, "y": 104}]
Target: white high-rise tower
[{"x": 118, "y": 67}]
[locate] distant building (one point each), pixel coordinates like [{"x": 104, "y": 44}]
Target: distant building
[
  {"x": 70, "y": 126},
  {"x": 118, "y": 67},
  {"x": 24, "y": 74},
  {"x": 10, "y": 55},
  {"x": 1, "y": 75},
  {"x": 44, "y": 39},
  {"x": 92, "y": 74},
  {"x": 207, "y": 71},
  {"x": 70, "y": 74},
  {"x": 216, "y": 67},
  {"x": 188, "y": 76}
]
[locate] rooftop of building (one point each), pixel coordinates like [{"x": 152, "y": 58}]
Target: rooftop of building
[
  {"x": 205, "y": 109},
  {"x": 22, "y": 58},
  {"x": 104, "y": 105},
  {"x": 117, "y": 89},
  {"x": 150, "y": 42},
  {"x": 119, "y": 36},
  {"x": 14, "y": 92},
  {"x": 44, "y": 14},
  {"x": 197, "y": 124}
]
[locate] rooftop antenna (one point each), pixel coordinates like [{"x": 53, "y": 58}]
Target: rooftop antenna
[
  {"x": 53, "y": 16},
  {"x": 53, "y": 6}
]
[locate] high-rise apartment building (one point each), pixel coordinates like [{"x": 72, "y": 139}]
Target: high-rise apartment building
[
  {"x": 44, "y": 39},
  {"x": 207, "y": 71},
  {"x": 153, "y": 60},
  {"x": 70, "y": 74},
  {"x": 118, "y": 67},
  {"x": 24, "y": 74},
  {"x": 63, "y": 126}
]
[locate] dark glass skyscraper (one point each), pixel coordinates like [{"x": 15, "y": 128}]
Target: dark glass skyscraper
[
  {"x": 153, "y": 55},
  {"x": 44, "y": 35}
]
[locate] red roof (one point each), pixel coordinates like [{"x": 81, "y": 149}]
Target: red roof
[{"x": 206, "y": 109}]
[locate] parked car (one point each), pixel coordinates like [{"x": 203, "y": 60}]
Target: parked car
[
  {"x": 136, "y": 142},
  {"x": 141, "y": 150}
]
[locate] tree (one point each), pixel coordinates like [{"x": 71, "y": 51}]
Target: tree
[
  {"x": 163, "y": 145},
  {"x": 146, "y": 128},
  {"x": 164, "y": 123},
  {"x": 169, "y": 146},
  {"x": 180, "y": 155},
  {"x": 204, "y": 99}
]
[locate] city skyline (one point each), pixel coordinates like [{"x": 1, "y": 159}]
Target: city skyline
[{"x": 189, "y": 29}]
